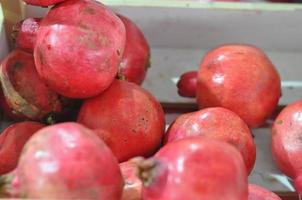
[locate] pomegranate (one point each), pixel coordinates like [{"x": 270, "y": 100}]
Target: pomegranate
[
  {"x": 217, "y": 123},
  {"x": 12, "y": 140},
  {"x": 43, "y": 2},
  {"x": 25, "y": 93},
  {"x": 135, "y": 61},
  {"x": 259, "y": 193},
  {"x": 240, "y": 78},
  {"x": 194, "y": 168},
  {"x": 287, "y": 143},
  {"x": 67, "y": 161},
  {"x": 78, "y": 55},
  {"x": 133, "y": 185},
  {"x": 128, "y": 118},
  {"x": 8, "y": 111},
  {"x": 25, "y": 33},
  {"x": 187, "y": 84}
]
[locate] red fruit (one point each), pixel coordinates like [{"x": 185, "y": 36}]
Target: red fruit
[
  {"x": 187, "y": 84},
  {"x": 68, "y": 161},
  {"x": 217, "y": 123},
  {"x": 25, "y": 33},
  {"x": 259, "y": 193},
  {"x": 128, "y": 118},
  {"x": 78, "y": 55},
  {"x": 240, "y": 78},
  {"x": 43, "y": 2},
  {"x": 287, "y": 142},
  {"x": 12, "y": 140},
  {"x": 24, "y": 91},
  {"x": 133, "y": 185},
  {"x": 195, "y": 168},
  {"x": 8, "y": 111},
  {"x": 136, "y": 57}
]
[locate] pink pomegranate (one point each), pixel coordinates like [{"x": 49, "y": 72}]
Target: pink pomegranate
[
  {"x": 128, "y": 118},
  {"x": 133, "y": 185},
  {"x": 194, "y": 168},
  {"x": 27, "y": 96},
  {"x": 187, "y": 84},
  {"x": 25, "y": 33},
  {"x": 217, "y": 123},
  {"x": 67, "y": 161},
  {"x": 287, "y": 143},
  {"x": 135, "y": 61},
  {"x": 12, "y": 140},
  {"x": 240, "y": 78},
  {"x": 43, "y": 2},
  {"x": 78, "y": 55},
  {"x": 259, "y": 193}
]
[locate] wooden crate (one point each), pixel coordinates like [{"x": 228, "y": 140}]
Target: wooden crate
[{"x": 181, "y": 31}]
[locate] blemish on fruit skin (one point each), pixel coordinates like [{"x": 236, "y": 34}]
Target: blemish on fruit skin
[
  {"x": 89, "y": 10},
  {"x": 17, "y": 65},
  {"x": 41, "y": 57},
  {"x": 279, "y": 121}
]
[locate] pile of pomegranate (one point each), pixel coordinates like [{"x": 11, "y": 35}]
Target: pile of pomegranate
[{"x": 84, "y": 128}]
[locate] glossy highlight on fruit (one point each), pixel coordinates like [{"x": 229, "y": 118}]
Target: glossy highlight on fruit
[
  {"x": 241, "y": 78},
  {"x": 25, "y": 33}
]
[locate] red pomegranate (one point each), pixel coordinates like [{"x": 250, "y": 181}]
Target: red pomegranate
[
  {"x": 187, "y": 84},
  {"x": 67, "y": 161},
  {"x": 128, "y": 118},
  {"x": 136, "y": 57},
  {"x": 26, "y": 95},
  {"x": 133, "y": 185},
  {"x": 259, "y": 193},
  {"x": 12, "y": 140},
  {"x": 287, "y": 143},
  {"x": 217, "y": 123},
  {"x": 78, "y": 55},
  {"x": 240, "y": 78},
  {"x": 194, "y": 168}
]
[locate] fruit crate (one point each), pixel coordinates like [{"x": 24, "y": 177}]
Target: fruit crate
[{"x": 181, "y": 31}]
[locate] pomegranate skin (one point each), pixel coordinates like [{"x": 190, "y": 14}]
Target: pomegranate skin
[
  {"x": 25, "y": 33},
  {"x": 43, "y": 2},
  {"x": 133, "y": 185},
  {"x": 135, "y": 61},
  {"x": 12, "y": 140},
  {"x": 240, "y": 78},
  {"x": 217, "y": 123},
  {"x": 25, "y": 93},
  {"x": 286, "y": 142},
  {"x": 196, "y": 168},
  {"x": 8, "y": 111},
  {"x": 78, "y": 55},
  {"x": 259, "y": 193},
  {"x": 187, "y": 84},
  {"x": 68, "y": 161},
  {"x": 128, "y": 118}
]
